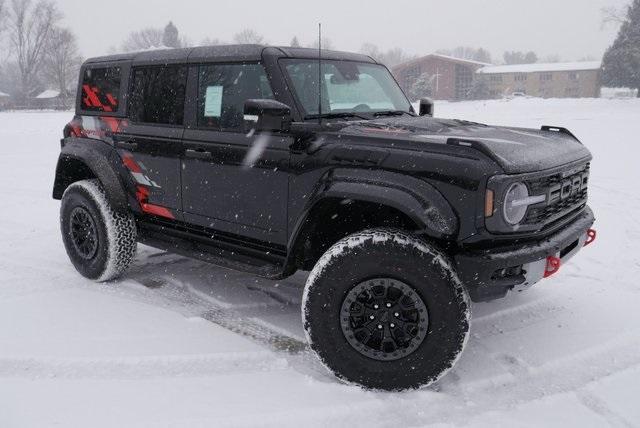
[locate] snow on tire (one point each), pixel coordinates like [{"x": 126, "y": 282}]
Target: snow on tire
[
  {"x": 383, "y": 309},
  {"x": 100, "y": 241}
]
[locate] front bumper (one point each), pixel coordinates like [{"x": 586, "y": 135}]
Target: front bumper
[{"x": 489, "y": 274}]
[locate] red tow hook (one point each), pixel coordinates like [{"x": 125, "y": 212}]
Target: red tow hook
[
  {"x": 553, "y": 266},
  {"x": 591, "y": 236}
]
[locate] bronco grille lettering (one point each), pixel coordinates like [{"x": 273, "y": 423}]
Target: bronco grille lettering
[{"x": 564, "y": 195}]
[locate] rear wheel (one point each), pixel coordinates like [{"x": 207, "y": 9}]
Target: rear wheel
[
  {"x": 384, "y": 310},
  {"x": 100, "y": 241}
]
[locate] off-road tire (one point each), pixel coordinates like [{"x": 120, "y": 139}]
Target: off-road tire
[
  {"x": 115, "y": 232},
  {"x": 386, "y": 253}
]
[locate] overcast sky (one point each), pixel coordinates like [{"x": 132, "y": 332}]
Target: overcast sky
[{"x": 570, "y": 28}]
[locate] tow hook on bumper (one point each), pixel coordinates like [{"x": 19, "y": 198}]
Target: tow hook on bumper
[
  {"x": 552, "y": 263},
  {"x": 591, "y": 236},
  {"x": 553, "y": 266}
]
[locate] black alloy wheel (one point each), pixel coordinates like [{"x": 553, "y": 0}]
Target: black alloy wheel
[
  {"x": 384, "y": 319},
  {"x": 84, "y": 234}
]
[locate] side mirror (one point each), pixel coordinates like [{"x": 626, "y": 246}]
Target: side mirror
[
  {"x": 426, "y": 107},
  {"x": 266, "y": 115}
]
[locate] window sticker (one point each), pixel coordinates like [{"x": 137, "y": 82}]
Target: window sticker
[{"x": 213, "y": 101}]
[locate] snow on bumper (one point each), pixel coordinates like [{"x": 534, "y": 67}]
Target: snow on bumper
[
  {"x": 544, "y": 268},
  {"x": 490, "y": 274}
]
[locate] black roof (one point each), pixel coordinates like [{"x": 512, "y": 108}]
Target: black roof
[{"x": 227, "y": 53}]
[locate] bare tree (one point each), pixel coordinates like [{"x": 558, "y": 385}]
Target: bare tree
[
  {"x": 62, "y": 62},
  {"x": 613, "y": 15},
  {"x": 10, "y": 78},
  {"x": 372, "y": 50},
  {"x": 551, "y": 58},
  {"x": 389, "y": 58},
  {"x": 30, "y": 25},
  {"x": 326, "y": 44},
  {"x": 248, "y": 36},
  {"x": 395, "y": 56},
  {"x": 208, "y": 41},
  {"x": 2, "y": 15},
  {"x": 147, "y": 38},
  {"x": 517, "y": 57}
]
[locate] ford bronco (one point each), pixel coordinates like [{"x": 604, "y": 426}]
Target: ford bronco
[{"x": 271, "y": 160}]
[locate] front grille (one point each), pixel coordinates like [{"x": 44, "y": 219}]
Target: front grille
[{"x": 566, "y": 193}]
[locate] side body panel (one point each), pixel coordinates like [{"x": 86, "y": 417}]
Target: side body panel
[
  {"x": 152, "y": 155},
  {"x": 224, "y": 188}
]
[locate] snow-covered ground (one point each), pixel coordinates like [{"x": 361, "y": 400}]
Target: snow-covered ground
[{"x": 183, "y": 343}]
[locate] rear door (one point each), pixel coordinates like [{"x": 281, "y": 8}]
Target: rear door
[
  {"x": 234, "y": 181},
  {"x": 151, "y": 142}
]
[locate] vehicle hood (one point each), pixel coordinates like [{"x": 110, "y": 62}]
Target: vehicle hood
[{"x": 516, "y": 150}]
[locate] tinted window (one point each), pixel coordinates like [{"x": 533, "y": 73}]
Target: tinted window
[
  {"x": 101, "y": 89},
  {"x": 224, "y": 88},
  {"x": 157, "y": 94}
]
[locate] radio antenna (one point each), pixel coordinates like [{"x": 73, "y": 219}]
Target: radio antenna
[{"x": 319, "y": 73}]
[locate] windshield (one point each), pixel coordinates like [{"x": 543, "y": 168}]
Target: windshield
[{"x": 347, "y": 87}]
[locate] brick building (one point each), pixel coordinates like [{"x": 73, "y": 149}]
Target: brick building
[
  {"x": 554, "y": 80},
  {"x": 451, "y": 78}
]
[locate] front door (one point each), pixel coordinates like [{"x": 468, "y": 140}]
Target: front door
[
  {"x": 234, "y": 181},
  {"x": 151, "y": 143}
]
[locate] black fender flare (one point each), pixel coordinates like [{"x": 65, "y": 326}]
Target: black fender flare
[
  {"x": 414, "y": 197},
  {"x": 101, "y": 159}
]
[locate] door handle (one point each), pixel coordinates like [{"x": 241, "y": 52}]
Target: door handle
[
  {"x": 126, "y": 145},
  {"x": 198, "y": 154}
]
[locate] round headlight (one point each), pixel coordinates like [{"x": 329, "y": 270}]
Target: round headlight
[{"x": 515, "y": 205}]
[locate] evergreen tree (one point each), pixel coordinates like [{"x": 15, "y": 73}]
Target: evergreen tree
[
  {"x": 170, "y": 37},
  {"x": 422, "y": 87},
  {"x": 621, "y": 62},
  {"x": 479, "y": 90},
  {"x": 294, "y": 42}
]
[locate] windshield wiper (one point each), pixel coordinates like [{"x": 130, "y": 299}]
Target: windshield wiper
[
  {"x": 391, "y": 113},
  {"x": 335, "y": 116}
]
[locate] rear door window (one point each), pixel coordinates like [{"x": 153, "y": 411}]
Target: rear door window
[
  {"x": 157, "y": 94},
  {"x": 101, "y": 89}
]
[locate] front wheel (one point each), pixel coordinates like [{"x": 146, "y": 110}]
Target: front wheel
[
  {"x": 100, "y": 242},
  {"x": 384, "y": 310}
]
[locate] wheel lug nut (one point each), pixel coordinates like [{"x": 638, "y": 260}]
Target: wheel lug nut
[{"x": 388, "y": 305}]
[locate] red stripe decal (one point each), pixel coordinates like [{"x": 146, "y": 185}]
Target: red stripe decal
[
  {"x": 111, "y": 100},
  {"x": 157, "y": 210},
  {"x": 92, "y": 97},
  {"x": 142, "y": 194},
  {"x": 130, "y": 163}
]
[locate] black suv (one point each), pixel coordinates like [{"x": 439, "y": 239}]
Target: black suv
[{"x": 270, "y": 160}]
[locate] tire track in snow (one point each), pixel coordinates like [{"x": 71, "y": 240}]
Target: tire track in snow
[
  {"x": 598, "y": 406},
  {"x": 140, "y": 367},
  {"x": 174, "y": 294},
  {"x": 177, "y": 293},
  {"x": 515, "y": 318}
]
